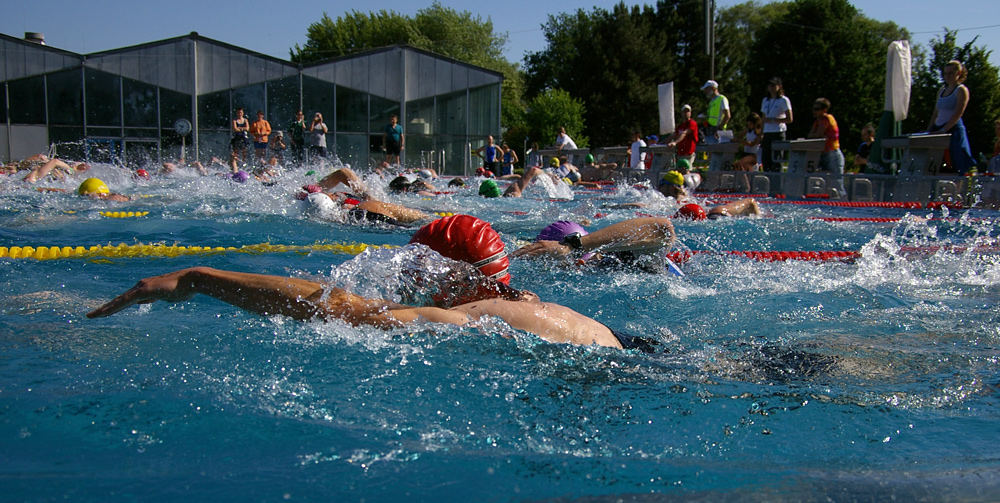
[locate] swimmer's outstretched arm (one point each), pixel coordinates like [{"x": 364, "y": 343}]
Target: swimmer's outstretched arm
[
  {"x": 268, "y": 295},
  {"x": 644, "y": 234},
  {"x": 346, "y": 176}
]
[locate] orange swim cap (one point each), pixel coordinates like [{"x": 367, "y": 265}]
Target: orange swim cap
[
  {"x": 691, "y": 211},
  {"x": 469, "y": 239}
]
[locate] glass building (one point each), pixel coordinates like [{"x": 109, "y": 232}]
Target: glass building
[{"x": 122, "y": 105}]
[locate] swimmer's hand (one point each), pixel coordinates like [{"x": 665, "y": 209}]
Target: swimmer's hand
[
  {"x": 543, "y": 249},
  {"x": 172, "y": 287}
]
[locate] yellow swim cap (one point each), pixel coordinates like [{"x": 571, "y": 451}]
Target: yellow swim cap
[
  {"x": 554, "y": 162},
  {"x": 674, "y": 177},
  {"x": 92, "y": 186}
]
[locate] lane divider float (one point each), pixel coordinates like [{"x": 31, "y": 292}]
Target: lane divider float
[
  {"x": 124, "y": 214},
  {"x": 123, "y": 250}
]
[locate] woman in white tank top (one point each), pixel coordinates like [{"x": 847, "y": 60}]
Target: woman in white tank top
[{"x": 947, "y": 116}]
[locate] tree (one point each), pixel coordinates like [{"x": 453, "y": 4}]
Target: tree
[
  {"x": 613, "y": 60},
  {"x": 983, "y": 84},
  {"x": 826, "y": 48},
  {"x": 550, "y": 110}
]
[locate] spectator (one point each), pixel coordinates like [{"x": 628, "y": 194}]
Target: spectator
[
  {"x": 637, "y": 158},
  {"x": 241, "y": 137},
  {"x": 686, "y": 136},
  {"x": 297, "y": 137},
  {"x": 317, "y": 133},
  {"x": 717, "y": 121},
  {"x": 392, "y": 140},
  {"x": 864, "y": 149},
  {"x": 491, "y": 155},
  {"x": 832, "y": 159},
  {"x": 260, "y": 129},
  {"x": 777, "y": 111},
  {"x": 947, "y": 116}
]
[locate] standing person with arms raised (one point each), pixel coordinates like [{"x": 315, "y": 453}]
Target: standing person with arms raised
[
  {"x": 776, "y": 109},
  {"x": 832, "y": 159},
  {"x": 297, "y": 137},
  {"x": 317, "y": 133},
  {"x": 717, "y": 121},
  {"x": 947, "y": 116},
  {"x": 392, "y": 141}
]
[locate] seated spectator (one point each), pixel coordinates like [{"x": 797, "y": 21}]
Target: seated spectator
[{"x": 864, "y": 149}]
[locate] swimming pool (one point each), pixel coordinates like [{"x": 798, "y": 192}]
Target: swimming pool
[{"x": 784, "y": 380}]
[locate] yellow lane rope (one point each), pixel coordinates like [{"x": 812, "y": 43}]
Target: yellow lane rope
[{"x": 123, "y": 250}]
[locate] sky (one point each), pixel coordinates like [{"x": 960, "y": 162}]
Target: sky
[{"x": 274, "y": 28}]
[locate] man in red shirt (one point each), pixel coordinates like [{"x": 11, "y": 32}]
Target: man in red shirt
[{"x": 686, "y": 136}]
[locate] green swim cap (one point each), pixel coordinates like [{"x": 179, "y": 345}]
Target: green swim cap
[
  {"x": 684, "y": 163},
  {"x": 489, "y": 188},
  {"x": 590, "y": 158},
  {"x": 674, "y": 177}
]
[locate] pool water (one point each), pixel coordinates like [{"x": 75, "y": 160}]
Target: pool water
[{"x": 775, "y": 381}]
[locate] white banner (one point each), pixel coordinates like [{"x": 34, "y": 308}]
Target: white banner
[
  {"x": 665, "y": 92},
  {"x": 897, "y": 79}
]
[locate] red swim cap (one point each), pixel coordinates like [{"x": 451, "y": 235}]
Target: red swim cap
[
  {"x": 469, "y": 239},
  {"x": 692, "y": 211}
]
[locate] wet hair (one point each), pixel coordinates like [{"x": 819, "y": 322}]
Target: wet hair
[{"x": 399, "y": 184}]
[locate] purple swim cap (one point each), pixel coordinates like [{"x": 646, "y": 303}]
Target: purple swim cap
[
  {"x": 556, "y": 231},
  {"x": 241, "y": 176}
]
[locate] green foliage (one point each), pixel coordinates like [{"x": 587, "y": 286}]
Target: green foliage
[
  {"x": 613, "y": 61},
  {"x": 550, "y": 110},
  {"x": 825, "y": 48},
  {"x": 983, "y": 83}
]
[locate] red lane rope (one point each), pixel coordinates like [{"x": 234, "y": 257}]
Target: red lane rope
[
  {"x": 829, "y": 255},
  {"x": 856, "y": 219},
  {"x": 884, "y": 219},
  {"x": 773, "y": 256}
]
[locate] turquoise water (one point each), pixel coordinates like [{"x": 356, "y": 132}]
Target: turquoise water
[{"x": 777, "y": 381}]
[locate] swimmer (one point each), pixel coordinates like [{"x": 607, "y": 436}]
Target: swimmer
[
  {"x": 92, "y": 187},
  {"x": 489, "y": 189},
  {"x": 672, "y": 185},
  {"x": 170, "y": 167},
  {"x": 54, "y": 168},
  {"x": 346, "y": 177},
  {"x": 361, "y": 208},
  {"x": 517, "y": 188},
  {"x": 418, "y": 186},
  {"x": 593, "y": 171},
  {"x": 459, "y": 237},
  {"x": 691, "y": 180},
  {"x": 624, "y": 241}
]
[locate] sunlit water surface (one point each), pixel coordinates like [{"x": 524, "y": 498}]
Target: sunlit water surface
[{"x": 775, "y": 381}]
